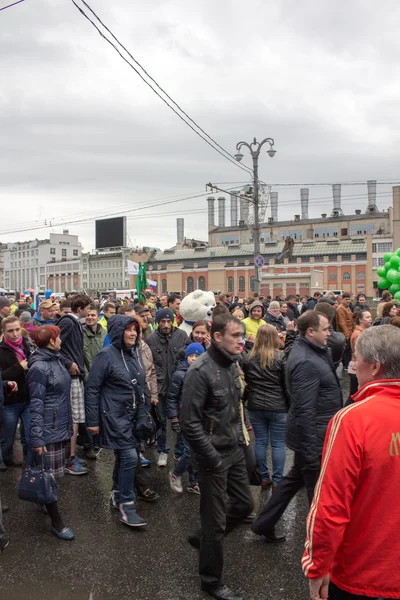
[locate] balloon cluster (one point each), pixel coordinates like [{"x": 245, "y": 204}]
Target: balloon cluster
[{"x": 389, "y": 273}]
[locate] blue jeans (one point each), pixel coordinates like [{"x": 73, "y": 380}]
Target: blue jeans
[
  {"x": 269, "y": 427},
  {"x": 185, "y": 463},
  {"x": 179, "y": 445},
  {"x": 124, "y": 474},
  {"x": 162, "y": 445},
  {"x": 12, "y": 414}
]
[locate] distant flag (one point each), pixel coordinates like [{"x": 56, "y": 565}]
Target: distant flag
[
  {"x": 133, "y": 267},
  {"x": 151, "y": 283},
  {"x": 141, "y": 281}
]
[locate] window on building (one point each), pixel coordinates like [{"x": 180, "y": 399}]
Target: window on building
[
  {"x": 384, "y": 247},
  {"x": 202, "y": 283},
  {"x": 189, "y": 284},
  {"x": 374, "y": 247},
  {"x": 75, "y": 252},
  {"x": 64, "y": 252},
  {"x": 252, "y": 283},
  {"x": 381, "y": 262},
  {"x": 242, "y": 284},
  {"x": 332, "y": 276},
  {"x": 163, "y": 286},
  {"x": 52, "y": 250},
  {"x": 346, "y": 275},
  {"x": 230, "y": 285},
  {"x": 361, "y": 275}
]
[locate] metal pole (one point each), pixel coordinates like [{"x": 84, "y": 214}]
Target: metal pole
[{"x": 256, "y": 231}]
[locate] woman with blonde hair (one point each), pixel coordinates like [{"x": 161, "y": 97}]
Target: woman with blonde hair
[{"x": 267, "y": 403}]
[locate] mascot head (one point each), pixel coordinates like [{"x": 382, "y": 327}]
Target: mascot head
[{"x": 197, "y": 305}]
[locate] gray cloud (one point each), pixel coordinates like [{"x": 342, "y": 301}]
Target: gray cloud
[{"x": 80, "y": 132}]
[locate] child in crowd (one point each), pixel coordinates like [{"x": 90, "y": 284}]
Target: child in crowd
[{"x": 174, "y": 403}]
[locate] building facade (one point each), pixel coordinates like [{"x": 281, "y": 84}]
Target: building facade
[{"x": 53, "y": 263}]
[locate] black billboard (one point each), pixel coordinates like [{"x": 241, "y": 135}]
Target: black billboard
[{"x": 111, "y": 233}]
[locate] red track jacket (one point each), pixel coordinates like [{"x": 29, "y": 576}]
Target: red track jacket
[{"x": 353, "y": 527}]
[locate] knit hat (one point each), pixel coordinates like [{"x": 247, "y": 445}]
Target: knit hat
[
  {"x": 164, "y": 313},
  {"x": 194, "y": 348},
  {"x": 26, "y": 316}
]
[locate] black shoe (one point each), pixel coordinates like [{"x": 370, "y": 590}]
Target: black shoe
[
  {"x": 222, "y": 592},
  {"x": 91, "y": 454},
  {"x": 4, "y": 508},
  {"x": 3, "y": 467},
  {"x": 272, "y": 538},
  {"x": 148, "y": 496},
  {"x": 194, "y": 541},
  {"x": 249, "y": 519},
  {"x": 4, "y": 544},
  {"x": 13, "y": 463}
]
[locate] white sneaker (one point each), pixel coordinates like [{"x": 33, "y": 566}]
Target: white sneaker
[
  {"x": 162, "y": 459},
  {"x": 175, "y": 483}
]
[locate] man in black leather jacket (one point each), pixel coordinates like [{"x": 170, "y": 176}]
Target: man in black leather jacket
[
  {"x": 315, "y": 397},
  {"x": 211, "y": 423}
]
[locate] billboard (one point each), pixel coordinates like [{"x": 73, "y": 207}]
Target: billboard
[{"x": 111, "y": 233}]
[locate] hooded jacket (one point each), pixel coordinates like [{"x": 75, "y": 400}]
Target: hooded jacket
[
  {"x": 115, "y": 386},
  {"x": 93, "y": 342},
  {"x": 165, "y": 350},
  {"x": 174, "y": 398},
  {"x": 315, "y": 397},
  {"x": 253, "y": 325},
  {"x": 72, "y": 342},
  {"x": 12, "y": 371},
  {"x": 39, "y": 322},
  {"x": 354, "y": 521},
  {"x": 48, "y": 384}
]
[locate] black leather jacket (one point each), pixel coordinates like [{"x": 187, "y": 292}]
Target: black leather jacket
[
  {"x": 265, "y": 388},
  {"x": 210, "y": 414}
]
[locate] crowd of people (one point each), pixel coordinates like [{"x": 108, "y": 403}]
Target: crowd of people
[{"x": 86, "y": 373}]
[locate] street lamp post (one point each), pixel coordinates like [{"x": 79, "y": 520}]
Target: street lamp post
[{"x": 255, "y": 149}]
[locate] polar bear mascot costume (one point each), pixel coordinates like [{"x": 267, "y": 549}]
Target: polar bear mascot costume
[{"x": 196, "y": 306}]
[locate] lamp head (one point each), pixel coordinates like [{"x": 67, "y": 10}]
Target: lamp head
[{"x": 238, "y": 156}]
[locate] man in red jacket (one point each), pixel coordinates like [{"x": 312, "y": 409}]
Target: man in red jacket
[{"x": 353, "y": 527}]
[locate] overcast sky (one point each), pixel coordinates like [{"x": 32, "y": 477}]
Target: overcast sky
[{"x": 81, "y": 136}]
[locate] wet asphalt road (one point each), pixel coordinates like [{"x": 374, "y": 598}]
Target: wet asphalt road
[{"x": 109, "y": 561}]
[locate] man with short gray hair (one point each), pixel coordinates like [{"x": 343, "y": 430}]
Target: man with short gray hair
[{"x": 353, "y": 528}]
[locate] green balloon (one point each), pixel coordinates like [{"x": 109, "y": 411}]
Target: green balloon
[
  {"x": 394, "y": 288},
  {"x": 398, "y": 251},
  {"x": 391, "y": 275},
  {"x": 381, "y": 271},
  {"x": 387, "y": 256},
  {"x": 383, "y": 284},
  {"x": 387, "y": 266},
  {"x": 395, "y": 261},
  {"x": 397, "y": 296}
]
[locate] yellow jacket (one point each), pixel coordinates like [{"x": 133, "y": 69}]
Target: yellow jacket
[{"x": 252, "y": 325}]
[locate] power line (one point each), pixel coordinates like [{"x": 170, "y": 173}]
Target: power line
[
  {"x": 227, "y": 155},
  {"x": 13, "y": 4}
]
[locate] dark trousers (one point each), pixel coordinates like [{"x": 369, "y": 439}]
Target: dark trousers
[
  {"x": 219, "y": 516},
  {"x": 298, "y": 477},
  {"x": 346, "y": 354},
  {"x": 142, "y": 480},
  {"x": 336, "y": 593}
]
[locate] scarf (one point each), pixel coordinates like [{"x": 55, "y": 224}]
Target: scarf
[{"x": 18, "y": 348}]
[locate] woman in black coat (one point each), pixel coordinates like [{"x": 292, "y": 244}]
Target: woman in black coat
[
  {"x": 48, "y": 384},
  {"x": 266, "y": 399},
  {"x": 115, "y": 386}
]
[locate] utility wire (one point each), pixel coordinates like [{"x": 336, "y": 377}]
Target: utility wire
[
  {"x": 227, "y": 156},
  {"x": 13, "y": 4}
]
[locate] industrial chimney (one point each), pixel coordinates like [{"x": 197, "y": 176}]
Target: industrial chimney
[
  {"x": 221, "y": 211},
  {"x": 337, "y": 200},
  {"x": 180, "y": 230},
  {"x": 211, "y": 211},
  {"x": 234, "y": 209},
  {"x": 372, "y": 208},
  {"x": 304, "y": 195},
  {"x": 244, "y": 210},
  {"x": 274, "y": 206}
]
